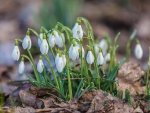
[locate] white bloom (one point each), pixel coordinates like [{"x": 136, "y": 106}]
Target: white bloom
[
  {"x": 21, "y": 67},
  {"x": 40, "y": 66},
  {"x": 78, "y": 32},
  {"x": 60, "y": 41},
  {"x": 103, "y": 45},
  {"x": 44, "y": 47},
  {"x": 107, "y": 57},
  {"x": 90, "y": 57},
  {"x": 16, "y": 53},
  {"x": 57, "y": 37},
  {"x": 100, "y": 59},
  {"x": 64, "y": 60},
  {"x": 138, "y": 51},
  {"x": 59, "y": 64},
  {"x": 51, "y": 40},
  {"x": 26, "y": 43},
  {"x": 40, "y": 39},
  {"x": 96, "y": 48},
  {"x": 73, "y": 52},
  {"x": 76, "y": 24}
]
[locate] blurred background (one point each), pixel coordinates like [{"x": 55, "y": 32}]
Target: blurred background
[{"x": 106, "y": 17}]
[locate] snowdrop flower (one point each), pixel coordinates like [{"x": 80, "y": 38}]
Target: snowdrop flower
[
  {"x": 59, "y": 63},
  {"x": 26, "y": 43},
  {"x": 44, "y": 45},
  {"x": 90, "y": 57},
  {"x": 16, "y": 52},
  {"x": 96, "y": 48},
  {"x": 73, "y": 52},
  {"x": 60, "y": 40},
  {"x": 138, "y": 50},
  {"x": 40, "y": 65},
  {"x": 40, "y": 37},
  {"x": 77, "y": 31},
  {"x": 52, "y": 40},
  {"x": 57, "y": 37},
  {"x": 107, "y": 57},
  {"x": 21, "y": 66},
  {"x": 76, "y": 24},
  {"x": 100, "y": 58},
  {"x": 104, "y": 45}
]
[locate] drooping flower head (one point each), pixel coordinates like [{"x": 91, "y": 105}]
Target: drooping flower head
[
  {"x": 21, "y": 66},
  {"x": 77, "y": 31},
  {"x": 104, "y": 45},
  {"x": 40, "y": 65},
  {"x": 138, "y": 50},
  {"x": 73, "y": 52},
  {"x": 26, "y": 43},
  {"x": 59, "y": 62},
  {"x": 90, "y": 56},
  {"x": 100, "y": 58},
  {"x": 44, "y": 45},
  {"x": 16, "y": 52},
  {"x": 52, "y": 40}
]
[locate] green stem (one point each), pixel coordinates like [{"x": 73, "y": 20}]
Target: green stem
[
  {"x": 34, "y": 69},
  {"x": 53, "y": 73},
  {"x": 69, "y": 80}
]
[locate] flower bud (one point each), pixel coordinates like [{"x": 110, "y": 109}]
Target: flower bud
[
  {"x": 52, "y": 40},
  {"x": 138, "y": 50},
  {"x": 100, "y": 58},
  {"x": 73, "y": 52},
  {"x": 107, "y": 57},
  {"x": 26, "y": 43},
  {"x": 21, "y": 66},
  {"x": 40, "y": 65},
  {"x": 59, "y": 63},
  {"x": 16, "y": 52},
  {"x": 103, "y": 45},
  {"x": 77, "y": 31},
  {"x": 90, "y": 57},
  {"x": 44, "y": 46}
]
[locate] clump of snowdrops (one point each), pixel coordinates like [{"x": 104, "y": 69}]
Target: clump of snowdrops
[{"x": 98, "y": 67}]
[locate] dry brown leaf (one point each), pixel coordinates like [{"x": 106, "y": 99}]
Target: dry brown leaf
[
  {"x": 138, "y": 110},
  {"x": 28, "y": 99},
  {"x": 24, "y": 110},
  {"x": 106, "y": 103},
  {"x": 128, "y": 74}
]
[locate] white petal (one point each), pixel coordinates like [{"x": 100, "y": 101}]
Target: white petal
[
  {"x": 16, "y": 53},
  {"x": 96, "y": 48},
  {"x": 25, "y": 43},
  {"x": 90, "y": 57},
  {"x": 74, "y": 53},
  {"x": 51, "y": 40},
  {"x": 44, "y": 47},
  {"x": 103, "y": 45},
  {"x": 138, "y": 51},
  {"x": 76, "y": 24},
  {"x": 40, "y": 66},
  {"x": 100, "y": 59},
  {"x": 56, "y": 58},
  {"x": 21, "y": 67},
  {"x": 29, "y": 43},
  {"x": 60, "y": 42},
  {"x": 59, "y": 64},
  {"x": 56, "y": 37},
  {"x": 78, "y": 32},
  {"x": 107, "y": 57},
  {"x": 40, "y": 39},
  {"x": 64, "y": 60}
]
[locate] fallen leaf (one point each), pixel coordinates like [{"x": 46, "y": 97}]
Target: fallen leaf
[
  {"x": 128, "y": 76},
  {"x": 105, "y": 102}
]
